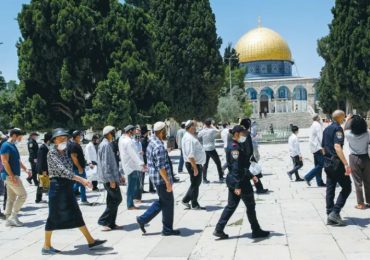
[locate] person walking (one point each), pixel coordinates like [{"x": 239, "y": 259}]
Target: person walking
[
  {"x": 3, "y": 139},
  {"x": 136, "y": 138},
  {"x": 132, "y": 164},
  {"x": 75, "y": 152},
  {"x": 42, "y": 167},
  {"x": 239, "y": 186},
  {"x": 316, "y": 149},
  {"x": 208, "y": 136},
  {"x": 33, "y": 148},
  {"x": 194, "y": 157},
  {"x": 108, "y": 174},
  {"x": 64, "y": 212},
  {"x": 358, "y": 137},
  {"x": 337, "y": 169},
  {"x": 179, "y": 135},
  {"x": 10, "y": 174},
  {"x": 254, "y": 135},
  {"x": 91, "y": 155},
  {"x": 159, "y": 172},
  {"x": 295, "y": 154},
  {"x": 144, "y": 144},
  {"x": 225, "y": 136}
]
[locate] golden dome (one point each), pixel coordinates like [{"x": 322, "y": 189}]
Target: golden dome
[{"x": 262, "y": 44}]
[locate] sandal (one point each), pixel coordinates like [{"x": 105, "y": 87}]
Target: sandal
[{"x": 360, "y": 206}]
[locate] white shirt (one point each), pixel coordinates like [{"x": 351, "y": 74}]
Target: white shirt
[
  {"x": 225, "y": 136},
  {"x": 130, "y": 159},
  {"x": 192, "y": 148},
  {"x": 179, "y": 136},
  {"x": 208, "y": 136},
  {"x": 315, "y": 137},
  {"x": 294, "y": 146},
  {"x": 91, "y": 153}
]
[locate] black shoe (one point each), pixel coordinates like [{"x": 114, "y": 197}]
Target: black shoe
[
  {"x": 141, "y": 225},
  {"x": 174, "y": 232},
  {"x": 222, "y": 180},
  {"x": 152, "y": 191},
  {"x": 299, "y": 180},
  {"x": 187, "y": 205},
  {"x": 2, "y": 216},
  {"x": 144, "y": 191},
  {"x": 321, "y": 185},
  {"x": 220, "y": 234},
  {"x": 29, "y": 180},
  {"x": 263, "y": 191},
  {"x": 176, "y": 179},
  {"x": 96, "y": 243},
  {"x": 307, "y": 181},
  {"x": 205, "y": 181},
  {"x": 198, "y": 207},
  {"x": 260, "y": 234}
]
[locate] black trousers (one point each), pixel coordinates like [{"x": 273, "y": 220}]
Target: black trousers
[
  {"x": 34, "y": 173},
  {"x": 233, "y": 202},
  {"x": 297, "y": 164},
  {"x": 195, "y": 181},
  {"x": 39, "y": 194},
  {"x": 214, "y": 155},
  {"x": 259, "y": 185},
  {"x": 332, "y": 180},
  {"x": 114, "y": 198}
]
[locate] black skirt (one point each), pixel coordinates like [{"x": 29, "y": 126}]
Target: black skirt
[{"x": 64, "y": 212}]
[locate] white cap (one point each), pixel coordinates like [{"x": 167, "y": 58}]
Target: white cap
[
  {"x": 108, "y": 129},
  {"x": 159, "y": 126},
  {"x": 188, "y": 124}
]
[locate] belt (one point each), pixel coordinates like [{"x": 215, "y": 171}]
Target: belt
[{"x": 363, "y": 156}]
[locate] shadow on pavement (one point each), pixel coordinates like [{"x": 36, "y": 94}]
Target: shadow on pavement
[
  {"x": 34, "y": 223},
  {"x": 362, "y": 222},
  {"x": 213, "y": 208},
  {"x": 256, "y": 240},
  {"x": 84, "y": 250}
]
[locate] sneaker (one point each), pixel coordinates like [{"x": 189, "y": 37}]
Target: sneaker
[
  {"x": 331, "y": 223},
  {"x": 187, "y": 205},
  {"x": 299, "y": 180},
  {"x": 141, "y": 225},
  {"x": 174, "y": 232},
  {"x": 205, "y": 181},
  {"x": 220, "y": 234},
  {"x": 307, "y": 181},
  {"x": 262, "y": 191},
  {"x": 50, "y": 251},
  {"x": 335, "y": 217},
  {"x": 260, "y": 234},
  {"x": 198, "y": 207},
  {"x": 97, "y": 243},
  {"x": 16, "y": 219},
  {"x": 12, "y": 223},
  {"x": 290, "y": 176}
]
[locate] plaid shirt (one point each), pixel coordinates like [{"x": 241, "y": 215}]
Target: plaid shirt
[{"x": 158, "y": 158}]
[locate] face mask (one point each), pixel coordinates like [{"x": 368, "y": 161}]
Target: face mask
[
  {"x": 242, "y": 139},
  {"x": 62, "y": 146}
]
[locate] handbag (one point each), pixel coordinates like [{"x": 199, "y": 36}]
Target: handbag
[
  {"x": 255, "y": 168},
  {"x": 44, "y": 182}
]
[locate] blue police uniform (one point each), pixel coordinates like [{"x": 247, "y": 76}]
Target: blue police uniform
[
  {"x": 335, "y": 169},
  {"x": 238, "y": 178},
  {"x": 33, "y": 148}
]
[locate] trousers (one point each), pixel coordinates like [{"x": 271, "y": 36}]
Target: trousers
[{"x": 214, "y": 155}]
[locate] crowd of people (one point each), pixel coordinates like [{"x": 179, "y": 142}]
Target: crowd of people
[{"x": 63, "y": 168}]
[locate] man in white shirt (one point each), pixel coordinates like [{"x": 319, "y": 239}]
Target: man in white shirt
[
  {"x": 225, "y": 135},
  {"x": 316, "y": 149},
  {"x": 91, "y": 156},
  {"x": 194, "y": 157},
  {"x": 208, "y": 136},
  {"x": 132, "y": 164},
  {"x": 295, "y": 154},
  {"x": 179, "y": 136}
]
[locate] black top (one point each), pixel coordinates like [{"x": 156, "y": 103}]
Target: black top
[
  {"x": 332, "y": 135},
  {"x": 77, "y": 149},
  {"x": 33, "y": 148},
  {"x": 144, "y": 145},
  {"x": 42, "y": 162},
  {"x": 238, "y": 165}
]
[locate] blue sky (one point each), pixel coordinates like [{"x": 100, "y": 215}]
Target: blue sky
[{"x": 300, "y": 22}]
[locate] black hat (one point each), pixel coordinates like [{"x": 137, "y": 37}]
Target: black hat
[
  {"x": 59, "y": 132},
  {"x": 47, "y": 137},
  {"x": 237, "y": 129},
  {"x": 16, "y": 131},
  {"x": 76, "y": 133},
  {"x": 144, "y": 129}
]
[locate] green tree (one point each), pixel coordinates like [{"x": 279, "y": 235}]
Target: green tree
[
  {"x": 230, "y": 53},
  {"x": 7, "y": 100},
  {"x": 187, "y": 56},
  {"x": 2, "y": 82}
]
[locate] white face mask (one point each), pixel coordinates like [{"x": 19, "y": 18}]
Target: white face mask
[
  {"x": 62, "y": 146},
  {"x": 242, "y": 139}
]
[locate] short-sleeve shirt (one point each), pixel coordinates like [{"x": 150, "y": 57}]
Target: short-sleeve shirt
[
  {"x": 14, "y": 159},
  {"x": 208, "y": 136},
  {"x": 332, "y": 135},
  {"x": 77, "y": 149}
]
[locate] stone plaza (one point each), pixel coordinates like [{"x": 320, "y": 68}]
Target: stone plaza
[{"x": 294, "y": 212}]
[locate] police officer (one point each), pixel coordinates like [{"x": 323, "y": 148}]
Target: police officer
[
  {"x": 336, "y": 168},
  {"x": 238, "y": 182},
  {"x": 33, "y": 148}
]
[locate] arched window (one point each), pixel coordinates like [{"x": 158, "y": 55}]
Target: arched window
[
  {"x": 251, "y": 94},
  {"x": 267, "y": 91},
  {"x": 300, "y": 93},
  {"x": 283, "y": 92}
]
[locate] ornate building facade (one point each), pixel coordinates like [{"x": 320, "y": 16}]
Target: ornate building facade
[{"x": 269, "y": 83}]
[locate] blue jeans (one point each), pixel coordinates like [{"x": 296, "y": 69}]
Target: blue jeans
[
  {"x": 132, "y": 187},
  {"x": 78, "y": 185},
  {"x": 317, "y": 170},
  {"x": 164, "y": 204},
  {"x": 181, "y": 162}
]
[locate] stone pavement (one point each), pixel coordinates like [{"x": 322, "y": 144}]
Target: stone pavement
[{"x": 293, "y": 212}]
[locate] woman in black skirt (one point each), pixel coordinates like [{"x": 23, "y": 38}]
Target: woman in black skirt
[{"x": 64, "y": 212}]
